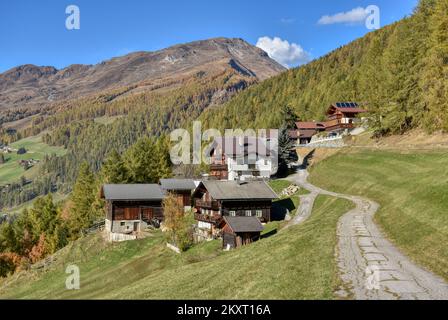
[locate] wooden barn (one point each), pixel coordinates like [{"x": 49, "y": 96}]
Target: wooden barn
[
  {"x": 214, "y": 200},
  {"x": 131, "y": 207},
  {"x": 239, "y": 231},
  {"x": 181, "y": 189}
]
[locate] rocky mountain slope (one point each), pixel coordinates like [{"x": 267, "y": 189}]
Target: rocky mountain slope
[{"x": 34, "y": 86}]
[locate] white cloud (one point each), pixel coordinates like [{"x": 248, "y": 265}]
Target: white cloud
[
  {"x": 285, "y": 53},
  {"x": 354, "y": 16}
]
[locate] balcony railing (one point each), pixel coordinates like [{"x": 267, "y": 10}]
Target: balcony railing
[
  {"x": 207, "y": 204},
  {"x": 207, "y": 218},
  {"x": 218, "y": 167}
]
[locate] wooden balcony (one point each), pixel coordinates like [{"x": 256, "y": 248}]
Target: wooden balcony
[
  {"x": 338, "y": 124},
  {"x": 213, "y": 205},
  {"x": 218, "y": 167},
  {"x": 214, "y": 219}
]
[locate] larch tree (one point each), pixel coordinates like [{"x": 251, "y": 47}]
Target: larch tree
[{"x": 176, "y": 223}]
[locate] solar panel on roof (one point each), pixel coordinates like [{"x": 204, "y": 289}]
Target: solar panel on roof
[{"x": 347, "y": 104}]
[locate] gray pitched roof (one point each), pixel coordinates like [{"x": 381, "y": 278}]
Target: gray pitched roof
[
  {"x": 238, "y": 146},
  {"x": 244, "y": 224},
  {"x": 132, "y": 192},
  {"x": 234, "y": 190},
  {"x": 177, "y": 184}
]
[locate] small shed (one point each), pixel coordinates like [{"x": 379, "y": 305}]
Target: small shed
[
  {"x": 239, "y": 231},
  {"x": 180, "y": 188}
]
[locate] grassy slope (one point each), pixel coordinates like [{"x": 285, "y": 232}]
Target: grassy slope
[
  {"x": 297, "y": 263},
  {"x": 412, "y": 191},
  {"x": 11, "y": 171},
  {"x": 290, "y": 203},
  {"x": 279, "y": 185}
]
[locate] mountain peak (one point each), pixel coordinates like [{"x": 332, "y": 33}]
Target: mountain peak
[{"x": 77, "y": 80}]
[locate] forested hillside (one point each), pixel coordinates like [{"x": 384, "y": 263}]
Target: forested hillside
[
  {"x": 400, "y": 73},
  {"x": 149, "y": 113},
  {"x": 92, "y": 110}
]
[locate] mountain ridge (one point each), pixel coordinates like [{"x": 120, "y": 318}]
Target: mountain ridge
[{"x": 34, "y": 86}]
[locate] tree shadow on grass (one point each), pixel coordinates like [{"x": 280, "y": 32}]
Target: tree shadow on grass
[
  {"x": 281, "y": 208},
  {"x": 269, "y": 234},
  {"x": 307, "y": 159}
]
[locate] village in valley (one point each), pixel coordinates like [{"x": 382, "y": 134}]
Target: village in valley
[
  {"x": 234, "y": 200},
  {"x": 189, "y": 151}
]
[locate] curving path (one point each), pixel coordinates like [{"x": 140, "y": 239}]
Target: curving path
[{"x": 370, "y": 266}]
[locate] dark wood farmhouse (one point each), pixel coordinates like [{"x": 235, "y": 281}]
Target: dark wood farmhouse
[
  {"x": 130, "y": 208},
  {"x": 181, "y": 189},
  {"x": 306, "y": 130},
  {"x": 214, "y": 200},
  {"x": 343, "y": 115},
  {"x": 239, "y": 231}
]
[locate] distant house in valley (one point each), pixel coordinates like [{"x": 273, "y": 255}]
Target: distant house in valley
[
  {"x": 21, "y": 150},
  {"x": 241, "y": 158},
  {"x": 6, "y": 149},
  {"x": 130, "y": 208},
  {"x": 26, "y": 164},
  {"x": 181, "y": 189},
  {"x": 341, "y": 117},
  {"x": 215, "y": 200}
]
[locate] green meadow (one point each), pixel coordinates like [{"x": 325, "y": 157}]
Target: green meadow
[
  {"x": 412, "y": 189},
  {"x": 295, "y": 263},
  {"x": 11, "y": 171}
]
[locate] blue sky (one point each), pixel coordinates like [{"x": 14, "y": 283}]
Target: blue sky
[{"x": 34, "y": 31}]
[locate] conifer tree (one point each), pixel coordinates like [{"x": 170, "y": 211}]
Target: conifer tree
[
  {"x": 147, "y": 161},
  {"x": 82, "y": 198},
  {"x": 114, "y": 170}
]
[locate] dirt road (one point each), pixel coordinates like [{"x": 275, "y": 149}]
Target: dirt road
[{"x": 370, "y": 266}]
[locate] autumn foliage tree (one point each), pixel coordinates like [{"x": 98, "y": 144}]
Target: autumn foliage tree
[
  {"x": 176, "y": 223},
  {"x": 34, "y": 234}
]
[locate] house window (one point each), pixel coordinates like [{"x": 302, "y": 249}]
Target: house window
[
  {"x": 232, "y": 213},
  {"x": 122, "y": 223},
  {"x": 259, "y": 213},
  {"x": 248, "y": 213}
]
